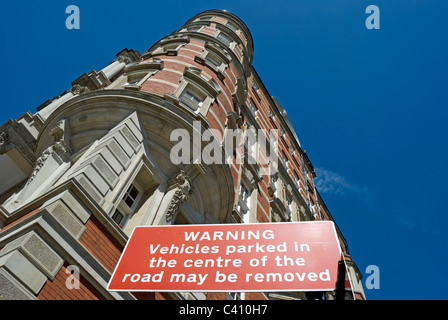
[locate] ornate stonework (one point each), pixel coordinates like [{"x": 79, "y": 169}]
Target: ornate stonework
[
  {"x": 5, "y": 142},
  {"x": 183, "y": 190}
]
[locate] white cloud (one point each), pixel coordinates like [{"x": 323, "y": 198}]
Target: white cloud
[{"x": 333, "y": 183}]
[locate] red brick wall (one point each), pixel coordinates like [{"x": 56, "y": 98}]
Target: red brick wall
[
  {"x": 216, "y": 296},
  {"x": 20, "y": 219},
  {"x": 248, "y": 296},
  {"x": 57, "y": 290},
  {"x": 97, "y": 240},
  {"x": 255, "y": 296}
]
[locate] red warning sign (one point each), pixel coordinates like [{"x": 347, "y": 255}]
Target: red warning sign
[{"x": 293, "y": 256}]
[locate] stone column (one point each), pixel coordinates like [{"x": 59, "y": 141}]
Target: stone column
[
  {"x": 114, "y": 68},
  {"x": 48, "y": 110}
]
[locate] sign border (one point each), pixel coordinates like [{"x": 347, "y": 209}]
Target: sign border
[{"x": 223, "y": 224}]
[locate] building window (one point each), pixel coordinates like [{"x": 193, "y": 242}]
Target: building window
[
  {"x": 231, "y": 26},
  {"x": 128, "y": 205},
  {"x": 252, "y": 108},
  {"x": 168, "y": 46},
  {"x": 212, "y": 61},
  {"x": 284, "y": 160},
  {"x": 274, "y": 184},
  {"x": 196, "y": 91},
  {"x": 288, "y": 203},
  {"x": 244, "y": 202},
  {"x": 234, "y": 296},
  {"x": 191, "y": 99},
  {"x": 224, "y": 39},
  {"x": 256, "y": 90},
  {"x": 250, "y": 144},
  {"x": 282, "y": 132},
  {"x": 168, "y": 49},
  {"x": 133, "y": 80},
  {"x": 255, "y": 86},
  {"x": 118, "y": 217},
  {"x": 310, "y": 187},
  {"x": 194, "y": 29},
  {"x": 131, "y": 196},
  {"x": 205, "y": 18},
  {"x": 136, "y": 74},
  {"x": 296, "y": 178},
  {"x": 312, "y": 206},
  {"x": 272, "y": 117}
]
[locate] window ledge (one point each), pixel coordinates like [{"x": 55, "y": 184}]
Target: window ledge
[{"x": 134, "y": 87}]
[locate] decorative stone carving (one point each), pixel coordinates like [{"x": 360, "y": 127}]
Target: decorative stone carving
[
  {"x": 40, "y": 163},
  {"x": 91, "y": 81},
  {"x": 61, "y": 147},
  {"x": 183, "y": 190},
  {"x": 5, "y": 142},
  {"x": 14, "y": 135},
  {"x": 128, "y": 56},
  {"x": 60, "y": 134},
  {"x": 77, "y": 89}
]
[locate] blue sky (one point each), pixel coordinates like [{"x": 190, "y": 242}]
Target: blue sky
[{"x": 369, "y": 106}]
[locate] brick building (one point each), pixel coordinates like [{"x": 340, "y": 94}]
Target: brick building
[{"x": 94, "y": 162}]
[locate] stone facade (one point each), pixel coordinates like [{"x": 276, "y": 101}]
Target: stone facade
[{"x": 91, "y": 164}]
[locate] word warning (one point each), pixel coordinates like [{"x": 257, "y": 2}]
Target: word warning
[{"x": 293, "y": 256}]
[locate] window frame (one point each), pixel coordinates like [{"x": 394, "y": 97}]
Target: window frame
[
  {"x": 124, "y": 209},
  {"x": 231, "y": 26},
  {"x": 252, "y": 108},
  {"x": 202, "y": 87},
  {"x": 196, "y": 101},
  {"x": 219, "y": 54},
  {"x": 141, "y": 72},
  {"x": 224, "y": 39},
  {"x": 244, "y": 201}
]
